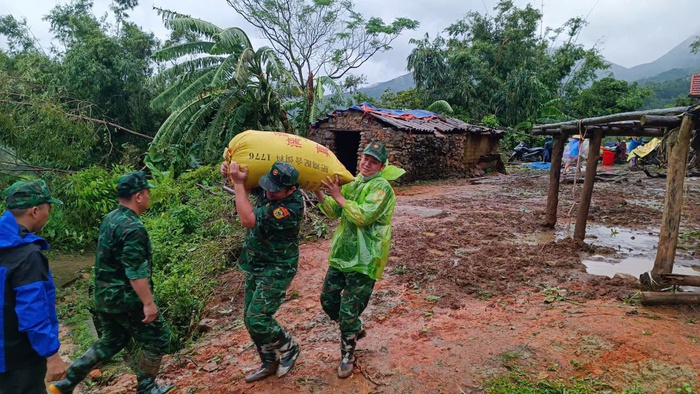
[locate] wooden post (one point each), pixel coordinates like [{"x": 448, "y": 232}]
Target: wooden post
[
  {"x": 653, "y": 298},
  {"x": 681, "y": 280},
  {"x": 589, "y": 180},
  {"x": 673, "y": 202},
  {"x": 554, "y": 179},
  {"x": 659, "y": 120}
]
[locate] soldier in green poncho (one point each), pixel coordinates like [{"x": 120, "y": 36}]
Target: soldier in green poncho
[
  {"x": 124, "y": 293},
  {"x": 269, "y": 258},
  {"x": 360, "y": 245}
]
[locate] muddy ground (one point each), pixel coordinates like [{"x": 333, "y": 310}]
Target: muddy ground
[{"x": 474, "y": 287}]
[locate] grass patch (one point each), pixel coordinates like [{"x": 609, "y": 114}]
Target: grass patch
[{"x": 518, "y": 382}]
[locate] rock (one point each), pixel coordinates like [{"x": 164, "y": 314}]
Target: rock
[
  {"x": 206, "y": 325},
  {"x": 626, "y": 277},
  {"x": 94, "y": 374}
]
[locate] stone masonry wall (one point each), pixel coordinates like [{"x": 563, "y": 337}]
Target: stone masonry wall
[{"x": 423, "y": 156}]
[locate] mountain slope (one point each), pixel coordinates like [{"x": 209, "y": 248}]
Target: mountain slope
[
  {"x": 403, "y": 82},
  {"x": 679, "y": 57},
  {"x": 678, "y": 62}
]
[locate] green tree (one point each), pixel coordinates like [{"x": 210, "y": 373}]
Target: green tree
[
  {"x": 83, "y": 103},
  {"x": 217, "y": 85},
  {"x": 501, "y": 64},
  {"x": 315, "y": 38},
  {"x": 608, "y": 96}
]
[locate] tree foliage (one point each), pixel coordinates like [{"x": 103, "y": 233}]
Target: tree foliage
[
  {"x": 83, "y": 103},
  {"x": 501, "y": 65},
  {"x": 216, "y": 86},
  {"x": 608, "y": 96},
  {"x": 320, "y": 38}
]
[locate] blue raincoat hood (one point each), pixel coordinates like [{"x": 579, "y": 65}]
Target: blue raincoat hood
[{"x": 9, "y": 234}]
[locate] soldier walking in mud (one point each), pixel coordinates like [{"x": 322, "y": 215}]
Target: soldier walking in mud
[
  {"x": 360, "y": 246},
  {"x": 269, "y": 258},
  {"x": 124, "y": 293}
]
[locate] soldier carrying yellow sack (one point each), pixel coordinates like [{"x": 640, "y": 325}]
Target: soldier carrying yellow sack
[
  {"x": 269, "y": 258},
  {"x": 360, "y": 245}
]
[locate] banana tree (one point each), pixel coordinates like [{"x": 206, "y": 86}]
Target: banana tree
[{"x": 216, "y": 86}]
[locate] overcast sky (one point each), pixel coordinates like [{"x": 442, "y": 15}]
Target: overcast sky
[{"x": 628, "y": 32}]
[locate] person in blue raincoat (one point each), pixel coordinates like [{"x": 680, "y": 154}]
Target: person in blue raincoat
[
  {"x": 575, "y": 145},
  {"x": 29, "y": 334},
  {"x": 360, "y": 245}
]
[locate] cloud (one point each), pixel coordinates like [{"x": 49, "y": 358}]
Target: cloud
[{"x": 627, "y": 32}]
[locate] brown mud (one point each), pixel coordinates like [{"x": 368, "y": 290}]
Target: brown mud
[{"x": 474, "y": 287}]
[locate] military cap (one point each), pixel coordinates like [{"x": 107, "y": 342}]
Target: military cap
[
  {"x": 27, "y": 194},
  {"x": 132, "y": 182},
  {"x": 281, "y": 175},
  {"x": 376, "y": 150}
]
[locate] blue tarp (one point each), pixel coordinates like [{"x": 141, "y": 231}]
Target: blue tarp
[{"x": 538, "y": 165}]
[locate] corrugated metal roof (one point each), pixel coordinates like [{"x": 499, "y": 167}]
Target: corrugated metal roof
[{"x": 425, "y": 125}]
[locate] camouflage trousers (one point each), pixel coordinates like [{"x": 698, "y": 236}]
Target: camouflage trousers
[
  {"x": 263, "y": 297},
  {"x": 344, "y": 297},
  {"x": 153, "y": 340}
]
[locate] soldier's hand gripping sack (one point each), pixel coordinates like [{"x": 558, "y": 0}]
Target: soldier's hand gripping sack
[{"x": 259, "y": 149}]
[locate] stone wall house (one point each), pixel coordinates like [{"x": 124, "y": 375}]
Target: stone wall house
[{"x": 424, "y": 144}]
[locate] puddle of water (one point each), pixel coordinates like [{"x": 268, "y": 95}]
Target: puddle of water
[
  {"x": 630, "y": 242},
  {"x": 635, "y": 266},
  {"x": 65, "y": 268},
  {"x": 637, "y": 252}
]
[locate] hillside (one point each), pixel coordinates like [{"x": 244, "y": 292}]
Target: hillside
[
  {"x": 677, "y": 58},
  {"x": 678, "y": 63},
  {"x": 403, "y": 82}
]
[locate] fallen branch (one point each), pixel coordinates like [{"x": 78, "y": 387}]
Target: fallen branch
[
  {"x": 206, "y": 189},
  {"x": 109, "y": 124},
  {"x": 33, "y": 168}
]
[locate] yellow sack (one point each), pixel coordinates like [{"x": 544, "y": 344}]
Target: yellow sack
[{"x": 259, "y": 149}]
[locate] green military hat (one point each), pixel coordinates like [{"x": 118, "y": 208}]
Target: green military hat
[
  {"x": 132, "y": 182},
  {"x": 281, "y": 175},
  {"x": 27, "y": 194},
  {"x": 376, "y": 150}
]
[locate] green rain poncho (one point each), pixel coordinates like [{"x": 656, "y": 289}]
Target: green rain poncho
[{"x": 361, "y": 242}]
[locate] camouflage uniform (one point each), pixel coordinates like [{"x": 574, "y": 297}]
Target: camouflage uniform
[
  {"x": 123, "y": 254},
  {"x": 269, "y": 259}
]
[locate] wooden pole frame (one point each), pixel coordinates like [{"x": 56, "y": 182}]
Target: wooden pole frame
[
  {"x": 678, "y": 146},
  {"x": 588, "y": 182},
  {"x": 554, "y": 179}
]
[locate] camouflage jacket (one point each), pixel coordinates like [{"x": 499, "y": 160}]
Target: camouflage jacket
[
  {"x": 271, "y": 247},
  {"x": 123, "y": 254}
]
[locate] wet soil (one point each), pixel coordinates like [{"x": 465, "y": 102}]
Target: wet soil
[{"x": 474, "y": 287}]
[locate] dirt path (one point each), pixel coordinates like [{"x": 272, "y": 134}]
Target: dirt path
[{"x": 474, "y": 287}]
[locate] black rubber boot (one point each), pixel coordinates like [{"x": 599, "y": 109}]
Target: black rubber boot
[
  {"x": 289, "y": 352},
  {"x": 264, "y": 371},
  {"x": 270, "y": 362},
  {"x": 147, "y": 370},
  {"x": 153, "y": 387},
  {"x": 347, "y": 352},
  {"x": 76, "y": 372}
]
